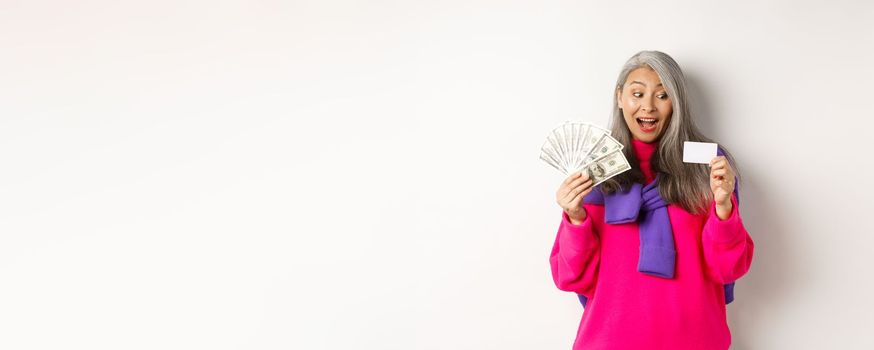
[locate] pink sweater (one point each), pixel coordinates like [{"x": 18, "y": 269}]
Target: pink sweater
[{"x": 627, "y": 309}]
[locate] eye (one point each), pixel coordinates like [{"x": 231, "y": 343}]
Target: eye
[
  {"x": 663, "y": 96},
  {"x": 637, "y": 94}
]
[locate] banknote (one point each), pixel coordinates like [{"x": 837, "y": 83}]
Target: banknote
[
  {"x": 603, "y": 146},
  {"x": 607, "y": 166},
  {"x": 581, "y": 146},
  {"x": 549, "y": 155}
]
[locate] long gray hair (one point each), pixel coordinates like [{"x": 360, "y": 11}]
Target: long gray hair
[{"x": 680, "y": 183}]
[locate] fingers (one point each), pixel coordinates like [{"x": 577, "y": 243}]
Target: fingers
[
  {"x": 725, "y": 187},
  {"x": 575, "y": 202},
  {"x": 576, "y": 175},
  {"x": 721, "y": 185},
  {"x": 579, "y": 181},
  {"x": 723, "y": 179},
  {"x": 719, "y": 172},
  {"x": 573, "y": 193},
  {"x": 570, "y": 178},
  {"x": 717, "y": 159},
  {"x": 719, "y": 167},
  {"x": 565, "y": 186},
  {"x": 577, "y": 190},
  {"x": 572, "y": 182},
  {"x": 723, "y": 174}
]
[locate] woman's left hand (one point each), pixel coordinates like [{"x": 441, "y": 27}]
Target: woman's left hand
[{"x": 721, "y": 182}]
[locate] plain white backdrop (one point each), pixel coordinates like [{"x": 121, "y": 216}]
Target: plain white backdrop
[{"x": 365, "y": 174}]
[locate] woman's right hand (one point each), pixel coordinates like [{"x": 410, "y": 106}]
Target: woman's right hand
[{"x": 570, "y": 195}]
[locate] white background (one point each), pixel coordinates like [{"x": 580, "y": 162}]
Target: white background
[{"x": 364, "y": 175}]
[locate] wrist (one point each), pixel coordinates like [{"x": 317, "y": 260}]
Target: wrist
[
  {"x": 723, "y": 210},
  {"x": 576, "y": 219}
]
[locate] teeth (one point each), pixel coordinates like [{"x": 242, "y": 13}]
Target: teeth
[{"x": 647, "y": 119}]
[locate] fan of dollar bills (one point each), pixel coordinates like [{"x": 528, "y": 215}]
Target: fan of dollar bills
[{"x": 580, "y": 146}]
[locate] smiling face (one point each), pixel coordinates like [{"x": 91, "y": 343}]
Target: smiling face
[{"x": 645, "y": 104}]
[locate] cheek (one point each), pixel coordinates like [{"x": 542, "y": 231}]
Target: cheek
[
  {"x": 629, "y": 109},
  {"x": 667, "y": 107},
  {"x": 629, "y": 118},
  {"x": 628, "y": 114}
]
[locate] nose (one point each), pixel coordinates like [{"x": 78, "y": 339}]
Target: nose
[{"x": 646, "y": 105}]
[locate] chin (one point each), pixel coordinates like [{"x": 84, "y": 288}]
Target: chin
[{"x": 647, "y": 138}]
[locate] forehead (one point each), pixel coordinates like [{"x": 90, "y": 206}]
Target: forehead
[{"x": 644, "y": 75}]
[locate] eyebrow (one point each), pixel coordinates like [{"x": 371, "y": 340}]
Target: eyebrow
[{"x": 641, "y": 83}]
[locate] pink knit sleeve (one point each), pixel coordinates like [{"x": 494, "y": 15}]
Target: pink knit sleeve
[
  {"x": 576, "y": 255},
  {"x": 728, "y": 248}
]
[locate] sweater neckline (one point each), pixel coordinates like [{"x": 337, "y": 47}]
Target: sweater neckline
[{"x": 644, "y": 150}]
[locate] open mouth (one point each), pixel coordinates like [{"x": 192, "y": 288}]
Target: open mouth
[{"x": 647, "y": 124}]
